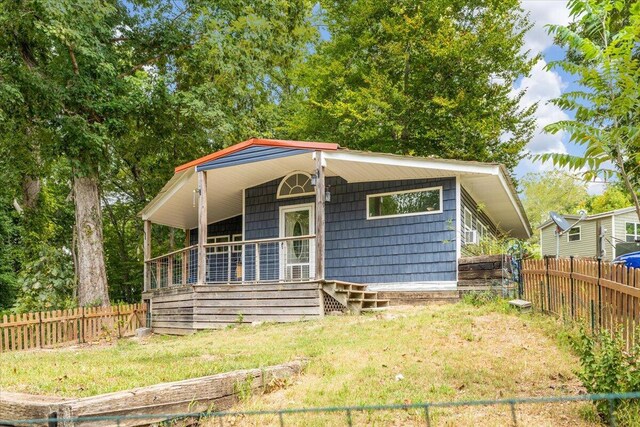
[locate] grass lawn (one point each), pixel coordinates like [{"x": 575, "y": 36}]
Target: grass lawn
[{"x": 443, "y": 352}]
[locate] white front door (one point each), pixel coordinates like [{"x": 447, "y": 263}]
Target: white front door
[{"x": 297, "y": 257}]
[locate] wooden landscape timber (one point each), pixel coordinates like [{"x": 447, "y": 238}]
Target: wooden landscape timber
[
  {"x": 212, "y": 393},
  {"x": 484, "y": 272}
]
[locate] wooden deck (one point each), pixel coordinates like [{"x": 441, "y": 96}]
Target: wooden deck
[{"x": 185, "y": 309}]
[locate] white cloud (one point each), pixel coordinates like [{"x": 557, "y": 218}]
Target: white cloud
[
  {"x": 542, "y": 85},
  {"x": 541, "y": 13}
]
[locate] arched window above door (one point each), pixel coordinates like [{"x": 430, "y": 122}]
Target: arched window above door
[{"x": 295, "y": 185}]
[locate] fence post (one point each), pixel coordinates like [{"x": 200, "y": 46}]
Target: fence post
[
  {"x": 40, "y": 328},
  {"x": 546, "y": 261},
  {"x": 599, "y": 292},
  {"x": 520, "y": 278},
  {"x": 83, "y": 327},
  {"x": 572, "y": 286},
  {"x": 118, "y": 320}
]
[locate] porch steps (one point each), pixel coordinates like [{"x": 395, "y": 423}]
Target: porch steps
[{"x": 355, "y": 297}]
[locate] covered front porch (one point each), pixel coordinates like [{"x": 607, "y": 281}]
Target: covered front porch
[{"x": 207, "y": 200}]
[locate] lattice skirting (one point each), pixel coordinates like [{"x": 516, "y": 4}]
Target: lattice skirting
[{"x": 331, "y": 304}]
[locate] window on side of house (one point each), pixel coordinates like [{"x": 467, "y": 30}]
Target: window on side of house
[
  {"x": 218, "y": 239},
  {"x": 469, "y": 233},
  {"x": 404, "y": 203},
  {"x": 632, "y": 231},
  {"x": 574, "y": 234},
  {"x": 483, "y": 233}
]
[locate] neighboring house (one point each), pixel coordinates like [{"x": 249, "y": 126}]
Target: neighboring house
[
  {"x": 620, "y": 229},
  {"x": 266, "y": 217}
]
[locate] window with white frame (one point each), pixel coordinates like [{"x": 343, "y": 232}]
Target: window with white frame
[
  {"x": 295, "y": 185},
  {"x": 469, "y": 234},
  {"x": 237, "y": 238},
  {"x": 483, "y": 233},
  {"x": 219, "y": 239},
  {"x": 404, "y": 203},
  {"x": 574, "y": 234},
  {"x": 632, "y": 231}
]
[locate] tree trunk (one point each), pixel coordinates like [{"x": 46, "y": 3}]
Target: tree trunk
[
  {"x": 30, "y": 191},
  {"x": 92, "y": 276}
]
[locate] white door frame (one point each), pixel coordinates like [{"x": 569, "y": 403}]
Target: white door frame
[{"x": 312, "y": 246}]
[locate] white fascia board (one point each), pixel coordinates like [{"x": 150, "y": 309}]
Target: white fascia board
[
  {"x": 381, "y": 159},
  {"x": 156, "y": 203},
  {"x": 514, "y": 203},
  {"x": 458, "y": 222}
]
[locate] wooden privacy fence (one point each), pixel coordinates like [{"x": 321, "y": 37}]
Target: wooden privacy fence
[
  {"x": 600, "y": 294},
  {"x": 78, "y": 325}
]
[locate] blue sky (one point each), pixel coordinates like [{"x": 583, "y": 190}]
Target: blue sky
[{"x": 544, "y": 85}]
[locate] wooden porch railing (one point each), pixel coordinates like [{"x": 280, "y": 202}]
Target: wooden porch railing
[
  {"x": 75, "y": 326},
  {"x": 248, "y": 261}
]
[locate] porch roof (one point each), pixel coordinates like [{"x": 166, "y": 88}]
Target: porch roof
[{"x": 256, "y": 161}]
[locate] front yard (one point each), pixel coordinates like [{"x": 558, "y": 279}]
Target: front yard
[{"x": 433, "y": 353}]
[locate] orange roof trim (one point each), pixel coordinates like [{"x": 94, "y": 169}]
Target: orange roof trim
[{"x": 322, "y": 146}]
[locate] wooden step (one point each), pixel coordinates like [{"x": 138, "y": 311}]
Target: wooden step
[
  {"x": 357, "y": 296},
  {"x": 373, "y": 309}
]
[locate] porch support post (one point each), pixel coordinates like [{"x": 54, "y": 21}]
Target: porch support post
[
  {"x": 319, "y": 215},
  {"x": 146, "y": 251},
  {"x": 202, "y": 227},
  {"x": 185, "y": 256}
]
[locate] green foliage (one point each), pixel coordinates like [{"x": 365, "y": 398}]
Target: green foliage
[
  {"x": 9, "y": 255},
  {"x": 415, "y": 79},
  {"x": 491, "y": 245},
  {"x": 551, "y": 191},
  {"x": 125, "y": 92},
  {"x": 611, "y": 199},
  {"x": 478, "y": 299},
  {"x": 47, "y": 283},
  {"x": 608, "y": 367},
  {"x": 602, "y": 44}
]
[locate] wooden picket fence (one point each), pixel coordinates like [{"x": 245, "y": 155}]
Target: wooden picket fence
[
  {"x": 75, "y": 326},
  {"x": 598, "y": 294}
]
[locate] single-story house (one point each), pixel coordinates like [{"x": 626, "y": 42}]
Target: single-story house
[
  {"x": 280, "y": 230},
  {"x": 607, "y": 235}
]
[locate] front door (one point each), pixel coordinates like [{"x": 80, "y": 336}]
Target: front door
[{"x": 297, "y": 256}]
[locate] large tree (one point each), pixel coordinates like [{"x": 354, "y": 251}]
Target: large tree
[
  {"x": 418, "y": 78},
  {"x": 125, "y": 90},
  {"x": 603, "y": 55}
]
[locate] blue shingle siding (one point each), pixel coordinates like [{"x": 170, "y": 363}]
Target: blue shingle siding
[
  {"x": 416, "y": 248},
  {"x": 251, "y": 155},
  {"x": 226, "y": 227}
]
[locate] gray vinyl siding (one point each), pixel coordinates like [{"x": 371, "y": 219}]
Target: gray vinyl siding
[
  {"x": 587, "y": 246},
  {"x": 621, "y": 224},
  {"x": 621, "y": 221},
  {"x": 609, "y": 251},
  {"x": 419, "y": 248}
]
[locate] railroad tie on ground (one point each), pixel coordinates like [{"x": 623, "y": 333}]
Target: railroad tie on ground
[{"x": 211, "y": 393}]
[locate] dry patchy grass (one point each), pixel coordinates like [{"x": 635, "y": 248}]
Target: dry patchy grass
[{"x": 444, "y": 353}]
